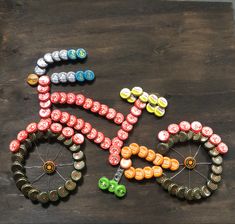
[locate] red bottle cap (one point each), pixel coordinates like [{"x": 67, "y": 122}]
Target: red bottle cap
[
  {"x": 80, "y": 99},
  {"x": 163, "y": 136},
  {"x": 45, "y": 105},
  {"x": 215, "y": 139},
  {"x": 119, "y": 118},
  {"x": 207, "y": 131},
  {"x": 67, "y": 132},
  {"x": 14, "y": 146},
  {"x": 56, "y": 127},
  {"x": 222, "y": 148},
  {"x": 135, "y": 111},
  {"x": 44, "y": 80},
  {"x": 111, "y": 114},
  {"x": 95, "y": 107},
  {"x": 55, "y": 97},
  {"x": 131, "y": 118},
  {"x": 71, "y": 98},
  {"x": 93, "y": 134},
  {"x": 43, "y": 125},
  {"x": 184, "y": 126},
  {"x": 63, "y": 97},
  {"x": 78, "y": 139},
  {"x": 72, "y": 121},
  {"x": 196, "y": 126},
  {"x": 43, "y": 89},
  {"x": 32, "y": 128},
  {"x": 87, "y": 128},
  {"x": 45, "y": 113},
  {"x": 103, "y": 110},
  {"x": 114, "y": 149},
  {"x": 106, "y": 143},
  {"x": 117, "y": 142},
  {"x": 123, "y": 135},
  {"x": 114, "y": 159},
  {"x": 22, "y": 135},
  {"x": 80, "y": 124},
  {"x": 127, "y": 126},
  {"x": 99, "y": 138},
  {"x": 139, "y": 104},
  {"x": 56, "y": 115},
  {"x": 64, "y": 117},
  {"x": 44, "y": 96}
]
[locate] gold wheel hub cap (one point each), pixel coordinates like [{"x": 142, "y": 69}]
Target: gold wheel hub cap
[
  {"x": 190, "y": 162},
  {"x": 49, "y": 167}
]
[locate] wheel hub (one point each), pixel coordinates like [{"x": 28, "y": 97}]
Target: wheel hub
[
  {"x": 190, "y": 162},
  {"x": 49, "y": 167}
]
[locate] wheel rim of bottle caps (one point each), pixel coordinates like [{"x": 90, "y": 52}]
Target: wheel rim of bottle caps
[
  {"x": 22, "y": 146},
  {"x": 212, "y": 143}
]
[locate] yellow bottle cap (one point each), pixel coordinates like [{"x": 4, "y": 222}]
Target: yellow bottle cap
[
  {"x": 125, "y": 93},
  {"x": 159, "y": 111},
  {"x": 153, "y": 99},
  {"x": 137, "y": 91},
  {"x": 150, "y": 108},
  {"x": 144, "y": 97},
  {"x": 131, "y": 99},
  {"x": 162, "y": 102}
]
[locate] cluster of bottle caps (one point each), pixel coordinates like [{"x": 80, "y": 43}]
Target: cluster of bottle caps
[
  {"x": 154, "y": 103},
  {"x": 61, "y": 77},
  {"x": 159, "y": 162},
  {"x": 57, "y": 56},
  {"x": 112, "y": 186},
  {"x": 72, "y": 77}
]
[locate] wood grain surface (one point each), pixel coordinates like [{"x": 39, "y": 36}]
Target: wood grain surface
[{"x": 185, "y": 51}]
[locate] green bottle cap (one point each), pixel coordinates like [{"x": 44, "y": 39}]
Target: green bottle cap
[
  {"x": 112, "y": 185},
  {"x": 120, "y": 191},
  {"x": 103, "y": 183}
]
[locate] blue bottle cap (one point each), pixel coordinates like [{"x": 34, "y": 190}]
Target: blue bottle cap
[
  {"x": 80, "y": 76},
  {"x": 72, "y": 54},
  {"x": 89, "y": 75},
  {"x": 81, "y": 53}
]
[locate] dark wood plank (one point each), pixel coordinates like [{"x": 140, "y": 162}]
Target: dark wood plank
[{"x": 184, "y": 51}]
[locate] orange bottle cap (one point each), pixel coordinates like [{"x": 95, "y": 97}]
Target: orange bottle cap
[
  {"x": 143, "y": 152},
  {"x": 148, "y": 172},
  {"x": 134, "y": 148},
  {"x": 166, "y": 163},
  {"x": 151, "y": 155},
  {"x": 174, "y": 164},
  {"x": 126, "y": 152},
  {"x": 158, "y": 160},
  {"x": 139, "y": 174},
  {"x": 157, "y": 171},
  {"x": 130, "y": 173}
]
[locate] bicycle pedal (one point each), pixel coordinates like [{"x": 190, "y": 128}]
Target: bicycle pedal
[{"x": 119, "y": 190}]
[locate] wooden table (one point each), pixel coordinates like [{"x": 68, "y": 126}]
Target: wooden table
[{"x": 185, "y": 51}]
